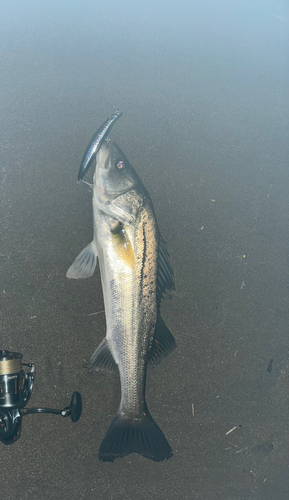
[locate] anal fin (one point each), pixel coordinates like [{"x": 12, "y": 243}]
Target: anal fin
[{"x": 102, "y": 358}]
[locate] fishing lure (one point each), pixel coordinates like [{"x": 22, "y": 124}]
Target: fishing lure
[{"x": 95, "y": 144}]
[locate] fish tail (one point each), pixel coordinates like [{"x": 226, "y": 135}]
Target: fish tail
[{"x": 127, "y": 435}]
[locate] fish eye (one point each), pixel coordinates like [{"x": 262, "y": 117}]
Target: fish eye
[{"x": 121, "y": 165}]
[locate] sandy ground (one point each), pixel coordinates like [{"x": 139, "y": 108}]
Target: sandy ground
[{"x": 205, "y": 122}]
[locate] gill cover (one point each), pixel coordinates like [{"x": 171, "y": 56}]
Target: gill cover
[{"x": 114, "y": 174}]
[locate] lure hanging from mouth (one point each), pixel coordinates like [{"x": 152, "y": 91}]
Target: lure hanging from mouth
[{"x": 95, "y": 144}]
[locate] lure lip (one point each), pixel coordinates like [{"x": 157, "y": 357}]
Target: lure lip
[{"x": 95, "y": 144}]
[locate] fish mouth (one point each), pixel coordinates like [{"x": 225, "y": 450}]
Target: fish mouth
[{"x": 102, "y": 157}]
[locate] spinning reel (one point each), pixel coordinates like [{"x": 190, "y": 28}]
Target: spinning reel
[{"x": 15, "y": 390}]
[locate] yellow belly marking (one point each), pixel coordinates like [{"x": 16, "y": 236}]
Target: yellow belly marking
[{"x": 122, "y": 246}]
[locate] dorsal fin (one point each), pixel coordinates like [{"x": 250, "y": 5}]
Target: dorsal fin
[
  {"x": 163, "y": 342},
  {"x": 165, "y": 273}
]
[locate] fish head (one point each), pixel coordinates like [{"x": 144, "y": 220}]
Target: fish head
[{"x": 114, "y": 174}]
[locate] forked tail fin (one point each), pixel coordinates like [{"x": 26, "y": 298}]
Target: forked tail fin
[{"x": 141, "y": 436}]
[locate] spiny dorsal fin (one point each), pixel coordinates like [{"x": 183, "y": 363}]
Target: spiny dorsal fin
[{"x": 165, "y": 272}]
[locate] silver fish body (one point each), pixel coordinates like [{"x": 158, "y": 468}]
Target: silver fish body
[{"x": 135, "y": 273}]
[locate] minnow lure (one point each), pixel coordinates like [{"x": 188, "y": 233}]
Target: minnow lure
[{"x": 95, "y": 144}]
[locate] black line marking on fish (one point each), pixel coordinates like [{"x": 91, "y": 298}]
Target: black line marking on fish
[{"x": 144, "y": 255}]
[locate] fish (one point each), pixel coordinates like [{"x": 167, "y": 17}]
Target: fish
[
  {"x": 135, "y": 274},
  {"x": 95, "y": 143}
]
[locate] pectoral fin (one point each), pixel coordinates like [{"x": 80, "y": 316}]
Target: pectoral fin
[
  {"x": 84, "y": 264},
  {"x": 163, "y": 343}
]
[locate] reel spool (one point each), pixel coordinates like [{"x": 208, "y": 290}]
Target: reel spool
[{"x": 16, "y": 386}]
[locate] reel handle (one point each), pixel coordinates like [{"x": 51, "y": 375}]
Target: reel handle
[{"x": 73, "y": 410}]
